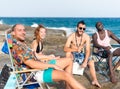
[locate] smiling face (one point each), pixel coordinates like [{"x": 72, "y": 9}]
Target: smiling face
[
  {"x": 80, "y": 29},
  {"x": 19, "y": 32},
  {"x": 99, "y": 26},
  {"x": 42, "y": 33}
]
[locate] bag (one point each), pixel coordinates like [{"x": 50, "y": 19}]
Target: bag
[
  {"x": 5, "y": 73},
  {"x": 77, "y": 69}
]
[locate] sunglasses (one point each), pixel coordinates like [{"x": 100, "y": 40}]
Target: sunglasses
[{"x": 82, "y": 28}]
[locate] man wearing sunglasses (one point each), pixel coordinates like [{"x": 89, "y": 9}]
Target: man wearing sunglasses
[{"x": 75, "y": 44}]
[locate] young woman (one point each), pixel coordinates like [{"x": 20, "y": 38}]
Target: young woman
[
  {"x": 37, "y": 44},
  {"x": 63, "y": 63}
]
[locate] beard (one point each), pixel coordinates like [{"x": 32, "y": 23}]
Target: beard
[{"x": 79, "y": 33}]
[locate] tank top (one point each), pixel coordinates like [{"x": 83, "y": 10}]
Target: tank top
[{"x": 105, "y": 41}]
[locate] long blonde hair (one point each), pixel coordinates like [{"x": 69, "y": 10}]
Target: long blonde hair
[{"x": 36, "y": 32}]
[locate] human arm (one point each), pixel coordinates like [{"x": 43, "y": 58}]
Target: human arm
[
  {"x": 40, "y": 65},
  {"x": 87, "y": 52},
  {"x": 40, "y": 55},
  {"x": 26, "y": 56},
  {"x": 46, "y": 57},
  {"x": 113, "y": 37},
  {"x": 68, "y": 46}
]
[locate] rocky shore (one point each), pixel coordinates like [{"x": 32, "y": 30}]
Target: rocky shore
[{"x": 53, "y": 44}]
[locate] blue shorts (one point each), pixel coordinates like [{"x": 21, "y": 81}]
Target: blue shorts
[
  {"x": 47, "y": 75},
  {"x": 78, "y": 57}
]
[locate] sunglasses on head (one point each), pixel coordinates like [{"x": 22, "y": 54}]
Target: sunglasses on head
[{"x": 82, "y": 28}]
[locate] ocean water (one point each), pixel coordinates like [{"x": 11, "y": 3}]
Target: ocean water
[{"x": 67, "y": 24}]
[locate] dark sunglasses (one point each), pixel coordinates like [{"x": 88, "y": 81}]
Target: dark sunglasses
[{"x": 82, "y": 28}]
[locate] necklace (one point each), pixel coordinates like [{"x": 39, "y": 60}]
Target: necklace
[{"x": 78, "y": 44}]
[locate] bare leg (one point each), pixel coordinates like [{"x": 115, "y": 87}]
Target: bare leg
[
  {"x": 69, "y": 55},
  {"x": 117, "y": 65},
  {"x": 112, "y": 74},
  {"x": 93, "y": 74},
  {"x": 116, "y": 53},
  {"x": 66, "y": 64},
  {"x": 62, "y": 75}
]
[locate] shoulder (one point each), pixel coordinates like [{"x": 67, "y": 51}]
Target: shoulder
[
  {"x": 34, "y": 42},
  {"x": 94, "y": 35},
  {"x": 86, "y": 37},
  {"x": 109, "y": 32},
  {"x": 71, "y": 35}
]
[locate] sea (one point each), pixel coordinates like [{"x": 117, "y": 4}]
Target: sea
[{"x": 65, "y": 23}]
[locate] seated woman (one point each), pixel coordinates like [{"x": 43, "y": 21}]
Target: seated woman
[{"x": 37, "y": 44}]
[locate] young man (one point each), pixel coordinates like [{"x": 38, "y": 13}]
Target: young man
[
  {"x": 53, "y": 69},
  {"x": 76, "y": 42},
  {"x": 101, "y": 39}
]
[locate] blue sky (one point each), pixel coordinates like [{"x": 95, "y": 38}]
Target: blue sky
[{"x": 60, "y": 8}]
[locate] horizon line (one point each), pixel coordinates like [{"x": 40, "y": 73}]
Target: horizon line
[{"x": 52, "y": 17}]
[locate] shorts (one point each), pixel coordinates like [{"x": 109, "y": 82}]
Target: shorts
[
  {"x": 45, "y": 75},
  {"x": 78, "y": 57}
]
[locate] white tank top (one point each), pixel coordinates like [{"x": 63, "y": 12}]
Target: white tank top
[{"x": 105, "y": 41}]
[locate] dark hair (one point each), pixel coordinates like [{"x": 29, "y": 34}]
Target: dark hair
[
  {"x": 80, "y": 22},
  {"x": 97, "y": 23},
  {"x": 14, "y": 27}
]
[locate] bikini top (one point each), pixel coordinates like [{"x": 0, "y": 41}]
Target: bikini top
[{"x": 39, "y": 47}]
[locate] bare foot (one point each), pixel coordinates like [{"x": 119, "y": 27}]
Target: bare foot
[
  {"x": 95, "y": 83},
  {"x": 113, "y": 79}
]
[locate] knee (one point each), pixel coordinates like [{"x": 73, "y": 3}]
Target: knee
[
  {"x": 109, "y": 53},
  {"x": 68, "y": 54},
  {"x": 66, "y": 76},
  {"x": 91, "y": 63},
  {"x": 70, "y": 60}
]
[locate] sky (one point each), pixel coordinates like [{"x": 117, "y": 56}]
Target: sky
[{"x": 59, "y": 8}]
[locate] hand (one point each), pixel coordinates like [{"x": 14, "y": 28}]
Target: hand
[
  {"x": 54, "y": 57},
  {"x": 57, "y": 57},
  {"x": 57, "y": 67},
  {"x": 84, "y": 64},
  {"x": 74, "y": 47},
  {"x": 79, "y": 49},
  {"x": 40, "y": 53},
  {"x": 107, "y": 48}
]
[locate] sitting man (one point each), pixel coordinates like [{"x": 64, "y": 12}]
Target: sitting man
[
  {"x": 101, "y": 40},
  {"x": 53, "y": 69},
  {"x": 76, "y": 42}
]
